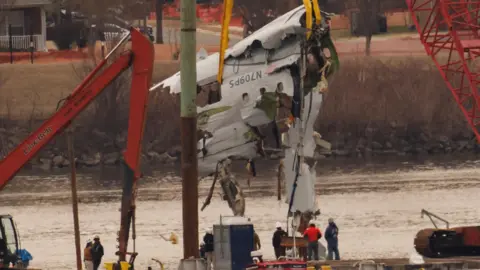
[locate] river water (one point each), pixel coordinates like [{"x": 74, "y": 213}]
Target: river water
[{"x": 376, "y": 208}]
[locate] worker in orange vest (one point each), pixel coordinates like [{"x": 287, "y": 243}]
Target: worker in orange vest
[
  {"x": 312, "y": 234},
  {"x": 87, "y": 255}
]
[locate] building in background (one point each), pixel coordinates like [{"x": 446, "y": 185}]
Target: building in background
[{"x": 25, "y": 21}]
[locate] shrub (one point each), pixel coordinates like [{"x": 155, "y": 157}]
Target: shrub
[{"x": 404, "y": 92}]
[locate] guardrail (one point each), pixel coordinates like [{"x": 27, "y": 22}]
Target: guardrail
[{"x": 23, "y": 42}]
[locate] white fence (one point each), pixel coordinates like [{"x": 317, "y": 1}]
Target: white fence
[
  {"x": 111, "y": 38},
  {"x": 23, "y": 42}
]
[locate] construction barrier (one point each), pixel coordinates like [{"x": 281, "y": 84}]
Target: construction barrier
[
  {"x": 205, "y": 13},
  {"x": 208, "y": 13}
]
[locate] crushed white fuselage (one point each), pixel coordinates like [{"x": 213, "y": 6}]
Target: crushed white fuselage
[{"x": 258, "y": 70}]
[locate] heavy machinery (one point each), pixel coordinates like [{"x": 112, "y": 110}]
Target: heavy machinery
[
  {"x": 140, "y": 58},
  {"x": 445, "y": 242},
  {"x": 9, "y": 240},
  {"x": 449, "y": 31}
]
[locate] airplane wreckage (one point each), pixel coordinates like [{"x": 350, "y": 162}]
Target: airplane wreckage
[{"x": 283, "y": 66}]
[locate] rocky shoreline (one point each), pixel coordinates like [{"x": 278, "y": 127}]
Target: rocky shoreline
[
  {"x": 399, "y": 141},
  {"x": 104, "y": 151}
]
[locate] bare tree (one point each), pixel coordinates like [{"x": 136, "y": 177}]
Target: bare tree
[
  {"x": 5, "y": 6},
  {"x": 258, "y": 13},
  {"x": 254, "y": 14},
  {"x": 368, "y": 14},
  {"x": 159, "y": 18}
]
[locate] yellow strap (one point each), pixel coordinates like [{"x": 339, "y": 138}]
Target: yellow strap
[
  {"x": 308, "y": 21},
  {"x": 227, "y": 15},
  {"x": 318, "y": 15}
]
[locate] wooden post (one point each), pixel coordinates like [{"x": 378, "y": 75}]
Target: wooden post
[
  {"x": 32, "y": 44},
  {"x": 279, "y": 180},
  {"x": 188, "y": 128},
  {"x": 71, "y": 157},
  {"x": 10, "y": 43}
]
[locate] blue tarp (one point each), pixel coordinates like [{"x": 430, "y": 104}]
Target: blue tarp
[{"x": 24, "y": 255}]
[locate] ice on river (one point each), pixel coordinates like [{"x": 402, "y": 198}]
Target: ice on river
[{"x": 373, "y": 222}]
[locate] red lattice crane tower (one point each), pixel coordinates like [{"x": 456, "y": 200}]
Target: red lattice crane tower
[{"x": 449, "y": 31}]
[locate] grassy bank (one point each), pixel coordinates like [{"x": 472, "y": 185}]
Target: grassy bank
[{"x": 33, "y": 90}]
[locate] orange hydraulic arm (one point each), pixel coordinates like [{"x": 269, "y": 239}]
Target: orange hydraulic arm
[{"x": 140, "y": 57}]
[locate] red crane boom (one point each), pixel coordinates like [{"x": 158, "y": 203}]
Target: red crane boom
[
  {"x": 140, "y": 58},
  {"x": 449, "y": 32}
]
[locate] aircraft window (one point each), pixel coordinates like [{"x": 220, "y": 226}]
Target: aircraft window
[
  {"x": 202, "y": 97},
  {"x": 209, "y": 94},
  {"x": 280, "y": 87},
  {"x": 262, "y": 91},
  {"x": 215, "y": 94},
  {"x": 9, "y": 235},
  {"x": 246, "y": 98}
]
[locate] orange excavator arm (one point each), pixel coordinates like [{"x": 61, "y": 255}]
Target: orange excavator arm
[{"x": 141, "y": 58}]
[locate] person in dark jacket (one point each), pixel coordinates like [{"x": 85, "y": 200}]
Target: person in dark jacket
[
  {"x": 97, "y": 252},
  {"x": 208, "y": 240},
  {"x": 201, "y": 250},
  {"x": 277, "y": 240},
  {"x": 331, "y": 235}
]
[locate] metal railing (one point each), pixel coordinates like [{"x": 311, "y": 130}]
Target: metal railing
[
  {"x": 23, "y": 42},
  {"x": 112, "y": 38}
]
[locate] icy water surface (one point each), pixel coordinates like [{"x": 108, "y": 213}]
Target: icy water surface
[{"x": 378, "y": 213}]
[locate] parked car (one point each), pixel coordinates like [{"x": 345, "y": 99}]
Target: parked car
[{"x": 147, "y": 31}]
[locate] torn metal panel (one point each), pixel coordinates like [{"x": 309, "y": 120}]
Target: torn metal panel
[
  {"x": 230, "y": 137},
  {"x": 271, "y": 35},
  {"x": 313, "y": 103},
  {"x": 304, "y": 199},
  {"x": 229, "y": 141},
  {"x": 236, "y": 68},
  {"x": 313, "y": 109}
]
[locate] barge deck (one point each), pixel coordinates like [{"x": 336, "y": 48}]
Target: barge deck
[{"x": 399, "y": 264}]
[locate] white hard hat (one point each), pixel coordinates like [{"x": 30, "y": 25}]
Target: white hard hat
[
  {"x": 312, "y": 222},
  {"x": 278, "y": 225},
  {"x": 89, "y": 241},
  {"x": 96, "y": 237}
]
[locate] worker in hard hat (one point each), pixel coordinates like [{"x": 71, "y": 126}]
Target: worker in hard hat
[
  {"x": 209, "y": 248},
  {"x": 331, "y": 235},
  {"x": 277, "y": 240},
  {"x": 97, "y": 252},
  {"x": 312, "y": 234}
]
